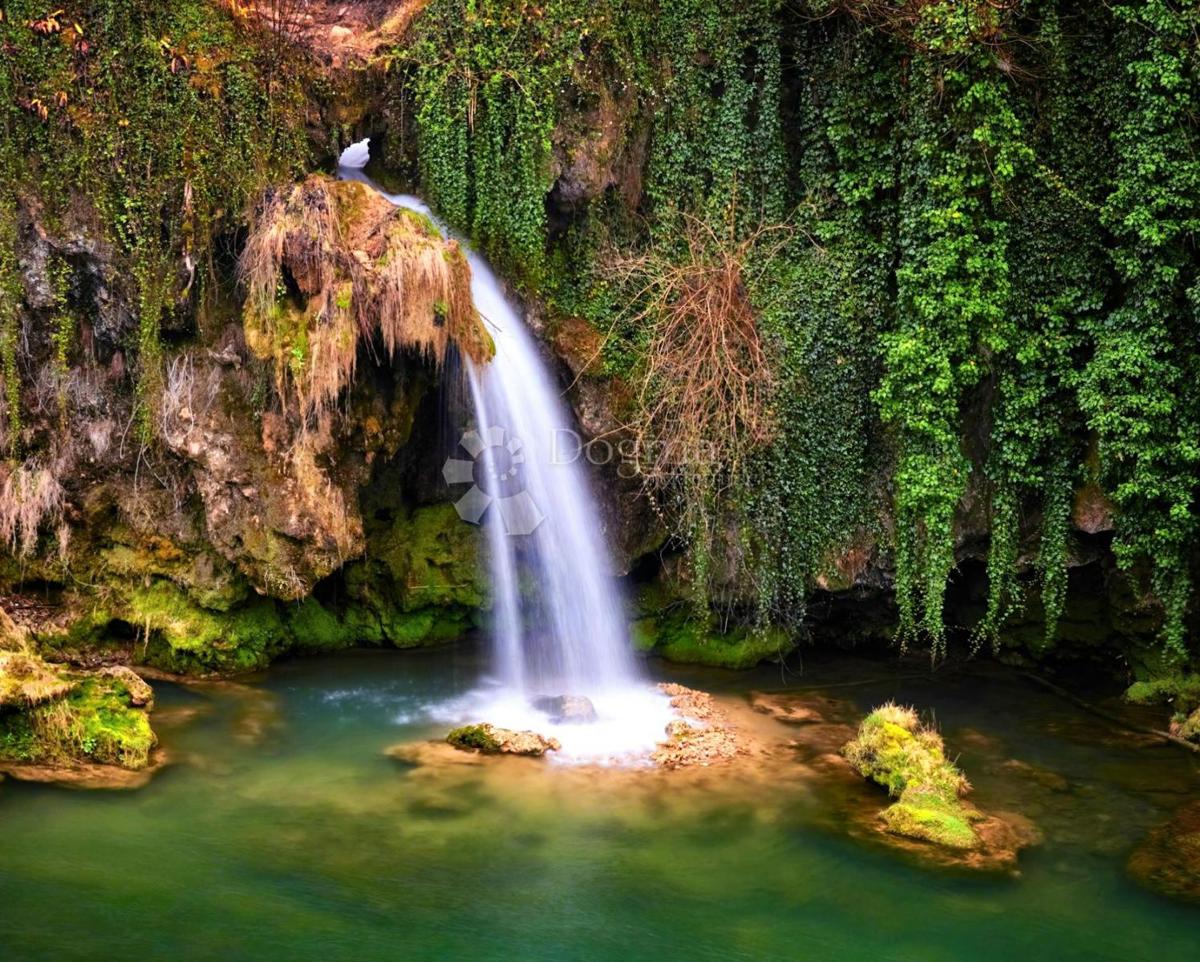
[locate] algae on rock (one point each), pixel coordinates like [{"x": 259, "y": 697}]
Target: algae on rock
[
  {"x": 57, "y": 716},
  {"x": 894, "y": 750}
]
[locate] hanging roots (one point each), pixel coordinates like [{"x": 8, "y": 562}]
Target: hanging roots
[
  {"x": 705, "y": 391},
  {"x": 31, "y": 497},
  {"x": 329, "y": 265}
]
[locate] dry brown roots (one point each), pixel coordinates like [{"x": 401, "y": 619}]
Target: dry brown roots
[{"x": 705, "y": 391}]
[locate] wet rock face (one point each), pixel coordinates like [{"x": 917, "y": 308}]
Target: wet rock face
[
  {"x": 1169, "y": 860},
  {"x": 272, "y": 507},
  {"x": 96, "y": 281}
]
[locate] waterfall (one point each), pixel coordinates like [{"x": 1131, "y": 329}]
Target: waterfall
[{"x": 559, "y": 627}]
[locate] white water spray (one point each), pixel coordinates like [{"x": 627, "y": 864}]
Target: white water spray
[{"x": 559, "y": 624}]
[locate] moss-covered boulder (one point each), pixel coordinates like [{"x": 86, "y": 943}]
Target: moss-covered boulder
[
  {"x": 53, "y": 717},
  {"x": 894, "y": 750}
]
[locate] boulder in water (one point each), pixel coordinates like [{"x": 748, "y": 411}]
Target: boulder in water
[
  {"x": 1169, "y": 860},
  {"x": 894, "y": 750},
  {"x": 567, "y": 708},
  {"x": 491, "y": 740}
]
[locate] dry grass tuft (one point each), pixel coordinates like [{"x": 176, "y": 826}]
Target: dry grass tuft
[
  {"x": 26, "y": 680},
  {"x": 329, "y": 266},
  {"x": 30, "y": 496}
]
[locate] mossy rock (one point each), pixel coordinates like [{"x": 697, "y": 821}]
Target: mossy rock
[
  {"x": 97, "y": 722},
  {"x": 434, "y": 558},
  {"x": 1180, "y": 691},
  {"x": 931, "y": 817},
  {"x": 474, "y": 738},
  {"x": 690, "y": 641},
  {"x": 895, "y": 751},
  {"x": 430, "y": 626},
  {"x": 491, "y": 740},
  {"x": 190, "y": 638},
  {"x": 315, "y": 627}
]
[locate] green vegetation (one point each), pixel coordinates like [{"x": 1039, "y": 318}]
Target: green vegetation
[
  {"x": 1180, "y": 692},
  {"x": 164, "y": 119},
  {"x": 966, "y": 232},
  {"x": 474, "y": 738},
  {"x": 873, "y": 274},
  {"x": 681, "y": 635},
  {"x": 892, "y": 749},
  {"x": 98, "y": 719},
  {"x": 200, "y": 639}
]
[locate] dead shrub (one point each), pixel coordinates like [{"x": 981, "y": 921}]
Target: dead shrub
[{"x": 705, "y": 387}]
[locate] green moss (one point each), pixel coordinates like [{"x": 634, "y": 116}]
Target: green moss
[
  {"x": 678, "y": 637},
  {"x": 928, "y": 816},
  {"x": 95, "y": 722},
  {"x": 433, "y": 556},
  {"x": 18, "y": 742},
  {"x": 166, "y": 117},
  {"x": 1180, "y": 691},
  {"x": 315, "y": 627},
  {"x": 473, "y": 737},
  {"x": 192, "y": 638},
  {"x": 106, "y": 727},
  {"x": 895, "y": 751}
]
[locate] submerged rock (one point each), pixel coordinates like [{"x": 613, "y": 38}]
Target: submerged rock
[
  {"x": 787, "y": 708},
  {"x": 566, "y": 708},
  {"x": 1169, "y": 860},
  {"x": 491, "y": 740}
]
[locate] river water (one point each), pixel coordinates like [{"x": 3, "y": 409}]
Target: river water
[{"x": 285, "y": 832}]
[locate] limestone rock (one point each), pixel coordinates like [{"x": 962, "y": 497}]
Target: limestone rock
[
  {"x": 141, "y": 695},
  {"x": 567, "y": 708},
  {"x": 491, "y": 740}
]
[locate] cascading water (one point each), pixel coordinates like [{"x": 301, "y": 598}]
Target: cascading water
[{"x": 559, "y": 625}]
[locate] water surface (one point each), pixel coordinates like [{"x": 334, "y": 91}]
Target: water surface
[{"x": 285, "y": 832}]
